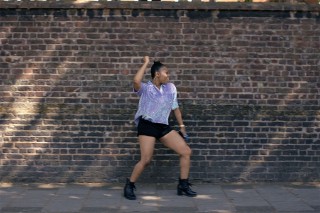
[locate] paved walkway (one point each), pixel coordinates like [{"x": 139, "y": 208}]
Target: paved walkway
[{"x": 222, "y": 198}]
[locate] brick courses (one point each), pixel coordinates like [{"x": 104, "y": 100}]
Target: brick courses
[{"x": 247, "y": 77}]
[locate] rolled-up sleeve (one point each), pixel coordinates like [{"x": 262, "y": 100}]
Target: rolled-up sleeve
[
  {"x": 175, "y": 104},
  {"x": 141, "y": 90}
]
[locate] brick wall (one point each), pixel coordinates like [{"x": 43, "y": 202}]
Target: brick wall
[{"x": 247, "y": 77}]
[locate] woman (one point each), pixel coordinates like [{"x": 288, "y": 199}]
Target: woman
[{"x": 157, "y": 99}]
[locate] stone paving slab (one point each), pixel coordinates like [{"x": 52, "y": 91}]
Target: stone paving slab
[
  {"x": 213, "y": 198},
  {"x": 246, "y": 197}
]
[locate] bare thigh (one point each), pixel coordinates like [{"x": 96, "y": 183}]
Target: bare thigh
[
  {"x": 147, "y": 144},
  {"x": 174, "y": 141}
]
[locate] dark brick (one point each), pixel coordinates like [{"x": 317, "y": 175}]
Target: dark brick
[
  {"x": 135, "y": 13},
  {"x": 161, "y": 13},
  {"x": 253, "y": 14},
  {"x": 8, "y": 12},
  {"x": 60, "y": 13},
  {"x": 199, "y": 14}
]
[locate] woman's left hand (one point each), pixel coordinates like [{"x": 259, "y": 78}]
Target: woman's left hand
[{"x": 183, "y": 131}]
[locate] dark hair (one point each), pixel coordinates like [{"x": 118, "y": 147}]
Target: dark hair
[{"x": 157, "y": 65}]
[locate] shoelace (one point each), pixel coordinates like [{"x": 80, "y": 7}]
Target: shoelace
[
  {"x": 133, "y": 187},
  {"x": 190, "y": 184}
]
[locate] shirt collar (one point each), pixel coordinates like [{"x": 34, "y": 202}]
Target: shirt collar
[
  {"x": 155, "y": 87},
  {"x": 150, "y": 83}
]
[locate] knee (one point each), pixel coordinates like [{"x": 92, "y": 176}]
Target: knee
[
  {"x": 145, "y": 162},
  {"x": 187, "y": 152}
]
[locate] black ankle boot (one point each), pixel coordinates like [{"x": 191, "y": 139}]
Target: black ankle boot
[
  {"x": 184, "y": 188},
  {"x": 129, "y": 190}
]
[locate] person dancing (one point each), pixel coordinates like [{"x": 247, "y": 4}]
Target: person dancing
[{"x": 157, "y": 99}]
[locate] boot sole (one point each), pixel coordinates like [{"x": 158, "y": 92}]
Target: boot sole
[
  {"x": 130, "y": 198},
  {"x": 184, "y": 194}
]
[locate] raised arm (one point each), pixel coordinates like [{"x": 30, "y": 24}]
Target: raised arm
[{"x": 139, "y": 76}]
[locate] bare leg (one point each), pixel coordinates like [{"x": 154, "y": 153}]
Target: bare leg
[
  {"x": 174, "y": 141},
  {"x": 146, "y": 148}
]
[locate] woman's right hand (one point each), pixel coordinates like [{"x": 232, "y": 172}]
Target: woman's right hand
[{"x": 146, "y": 59}]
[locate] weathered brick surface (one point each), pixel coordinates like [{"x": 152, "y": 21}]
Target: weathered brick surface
[{"x": 248, "y": 83}]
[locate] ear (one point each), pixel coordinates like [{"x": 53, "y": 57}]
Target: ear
[{"x": 157, "y": 74}]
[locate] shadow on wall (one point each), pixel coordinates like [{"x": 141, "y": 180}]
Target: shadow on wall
[{"x": 59, "y": 110}]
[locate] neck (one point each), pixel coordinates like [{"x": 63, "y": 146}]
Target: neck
[{"x": 157, "y": 83}]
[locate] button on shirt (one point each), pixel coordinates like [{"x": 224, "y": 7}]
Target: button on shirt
[{"x": 156, "y": 104}]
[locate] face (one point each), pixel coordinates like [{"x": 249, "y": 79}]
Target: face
[{"x": 163, "y": 75}]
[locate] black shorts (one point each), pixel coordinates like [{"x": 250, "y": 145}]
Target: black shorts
[{"x": 156, "y": 130}]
